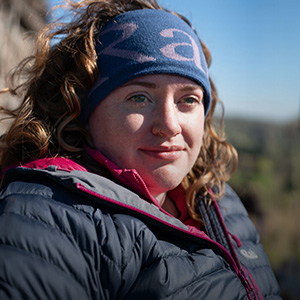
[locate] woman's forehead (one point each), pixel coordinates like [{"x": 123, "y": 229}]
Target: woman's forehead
[{"x": 159, "y": 80}]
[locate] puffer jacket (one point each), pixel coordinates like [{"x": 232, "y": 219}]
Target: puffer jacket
[{"x": 69, "y": 234}]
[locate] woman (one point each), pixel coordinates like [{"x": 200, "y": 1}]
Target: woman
[{"x": 112, "y": 168}]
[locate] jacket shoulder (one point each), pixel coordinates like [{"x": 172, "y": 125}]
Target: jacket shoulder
[{"x": 60, "y": 238}]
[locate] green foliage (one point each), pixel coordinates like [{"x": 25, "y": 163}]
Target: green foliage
[{"x": 267, "y": 181}]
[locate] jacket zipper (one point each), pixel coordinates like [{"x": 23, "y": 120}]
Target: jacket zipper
[{"x": 249, "y": 288}]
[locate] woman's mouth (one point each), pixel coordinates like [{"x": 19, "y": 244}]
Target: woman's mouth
[{"x": 163, "y": 153}]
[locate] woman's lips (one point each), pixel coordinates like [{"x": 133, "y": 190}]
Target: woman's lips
[{"x": 164, "y": 153}]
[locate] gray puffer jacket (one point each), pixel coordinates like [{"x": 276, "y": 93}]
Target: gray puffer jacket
[{"x": 75, "y": 235}]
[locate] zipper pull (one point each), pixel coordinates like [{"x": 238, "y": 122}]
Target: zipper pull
[{"x": 236, "y": 239}]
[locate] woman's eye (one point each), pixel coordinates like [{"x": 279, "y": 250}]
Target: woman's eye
[
  {"x": 138, "y": 98},
  {"x": 191, "y": 100}
]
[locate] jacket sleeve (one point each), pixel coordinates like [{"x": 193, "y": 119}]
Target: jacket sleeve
[{"x": 45, "y": 247}]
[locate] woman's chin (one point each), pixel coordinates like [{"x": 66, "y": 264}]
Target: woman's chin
[{"x": 163, "y": 180}]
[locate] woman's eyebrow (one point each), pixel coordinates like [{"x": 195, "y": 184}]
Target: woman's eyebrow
[
  {"x": 192, "y": 87},
  {"x": 152, "y": 85}
]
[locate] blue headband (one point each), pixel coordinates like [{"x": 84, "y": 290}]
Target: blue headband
[{"x": 144, "y": 42}]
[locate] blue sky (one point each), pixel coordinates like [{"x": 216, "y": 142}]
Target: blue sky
[{"x": 255, "y": 47}]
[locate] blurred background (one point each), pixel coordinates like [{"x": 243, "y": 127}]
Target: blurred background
[{"x": 256, "y": 67}]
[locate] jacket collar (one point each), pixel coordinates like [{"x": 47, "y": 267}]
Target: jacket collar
[{"x": 127, "y": 177}]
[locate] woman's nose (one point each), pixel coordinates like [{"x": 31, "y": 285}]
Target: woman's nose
[{"x": 167, "y": 121}]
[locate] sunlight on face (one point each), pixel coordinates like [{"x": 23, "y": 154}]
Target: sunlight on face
[{"x": 153, "y": 124}]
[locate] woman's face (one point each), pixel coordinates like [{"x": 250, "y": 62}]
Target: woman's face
[{"x": 153, "y": 124}]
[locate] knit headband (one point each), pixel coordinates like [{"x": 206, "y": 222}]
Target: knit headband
[{"x": 144, "y": 42}]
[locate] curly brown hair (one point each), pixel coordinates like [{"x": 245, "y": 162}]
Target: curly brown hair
[{"x": 60, "y": 73}]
